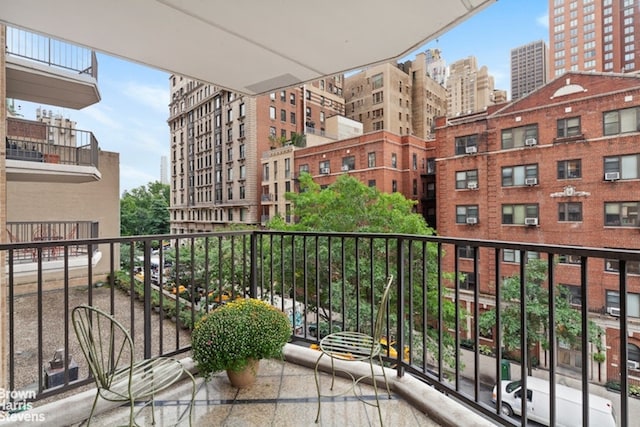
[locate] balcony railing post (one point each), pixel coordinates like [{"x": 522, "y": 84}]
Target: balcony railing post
[
  {"x": 400, "y": 307},
  {"x": 253, "y": 273},
  {"x": 147, "y": 298}
]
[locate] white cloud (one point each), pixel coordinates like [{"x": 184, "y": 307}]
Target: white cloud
[
  {"x": 101, "y": 114},
  {"x": 154, "y": 97}
]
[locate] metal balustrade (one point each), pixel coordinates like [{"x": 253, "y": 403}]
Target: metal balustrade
[{"x": 325, "y": 282}]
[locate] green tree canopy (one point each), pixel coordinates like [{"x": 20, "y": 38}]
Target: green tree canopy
[
  {"x": 348, "y": 205},
  {"x": 145, "y": 210},
  {"x": 568, "y": 325}
]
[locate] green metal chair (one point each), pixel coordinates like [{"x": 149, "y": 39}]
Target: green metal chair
[
  {"x": 108, "y": 349},
  {"x": 357, "y": 347}
]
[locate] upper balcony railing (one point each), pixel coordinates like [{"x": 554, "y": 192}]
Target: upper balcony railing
[
  {"x": 331, "y": 281},
  {"x": 51, "y": 52},
  {"x": 40, "y": 142}
]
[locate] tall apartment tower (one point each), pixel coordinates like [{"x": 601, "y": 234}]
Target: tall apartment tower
[
  {"x": 528, "y": 68},
  {"x": 436, "y": 66},
  {"x": 164, "y": 172},
  {"x": 469, "y": 89},
  {"x": 594, "y": 35},
  {"x": 400, "y": 98},
  {"x": 218, "y": 139}
]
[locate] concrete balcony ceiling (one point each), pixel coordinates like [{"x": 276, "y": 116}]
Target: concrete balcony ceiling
[{"x": 252, "y": 47}]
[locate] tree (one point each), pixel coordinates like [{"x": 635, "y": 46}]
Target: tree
[
  {"x": 145, "y": 210},
  {"x": 568, "y": 324},
  {"x": 348, "y": 205}
]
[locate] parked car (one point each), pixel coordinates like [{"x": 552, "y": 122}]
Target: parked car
[{"x": 568, "y": 404}]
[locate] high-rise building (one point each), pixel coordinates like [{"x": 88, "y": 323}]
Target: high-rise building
[
  {"x": 218, "y": 138},
  {"x": 436, "y": 66},
  {"x": 164, "y": 172},
  {"x": 400, "y": 98},
  {"x": 528, "y": 68},
  {"x": 594, "y": 35},
  {"x": 469, "y": 88}
]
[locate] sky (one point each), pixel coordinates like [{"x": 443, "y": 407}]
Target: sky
[{"x": 131, "y": 117}]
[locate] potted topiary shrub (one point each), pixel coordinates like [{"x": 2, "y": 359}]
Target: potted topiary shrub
[{"x": 236, "y": 335}]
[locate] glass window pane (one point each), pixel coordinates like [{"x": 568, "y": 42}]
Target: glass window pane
[
  {"x": 628, "y": 120},
  {"x": 629, "y": 167}
]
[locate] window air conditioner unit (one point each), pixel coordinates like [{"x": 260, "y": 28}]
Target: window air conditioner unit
[
  {"x": 613, "y": 311},
  {"x": 530, "y": 142},
  {"x": 531, "y": 181},
  {"x": 345, "y": 168},
  {"x": 471, "y": 149},
  {"x": 611, "y": 176},
  {"x": 531, "y": 221},
  {"x": 472, "y": 185},
  {"x": 472, "y": 220},
  {"x": 632, "y": 364},
  {"x": 324, "y": 171}
]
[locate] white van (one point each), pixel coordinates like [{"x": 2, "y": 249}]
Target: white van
[{"x": 568, "y": 404}]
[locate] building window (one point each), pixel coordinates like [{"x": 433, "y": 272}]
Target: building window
[
  {"x": 569, "y": 169},
  {"x": 372, "y": 183},
  {"x": 415, "y": 187},
  {"x": 466, "y": 144},
  {"x": 467, "y": 179},
  {"x": 568, "y": 127},
  {"x": 325, "y": 167},
  {"x": 229, "y": 116},
  {"x": 519, "y": 175},
  {"x": 633, "y": 303},
  {"x": 230, "y": 193},
  {"x": 272, "y": 113},
  {"x": 573, "y": 294},
  {"x": 371, "y": 160},
  {"x": 243, "y": 172},
  {"x": 230, "y": 214},
  {"x": 242, "y": 192},
  {"x": 613, "y": 266},
  {"x": 265, "y": 172},
  {"x": 414, "y": 161},
  {"x": 517, "y": 214},
  {"x": 627, "y": 167},
  {"x": 283, "y": 115},
  {"x": 292, "y": 98},
  {"x": 520, "y": 137},
  {"x": 621, "y": 214},
  {"x": 569, "y": 211},
  {"x": 243, "y": 110},
  {"x": 394, "y": 186},
  {"x": 569, "y": 259},
  {"x": 431, "y": 166},
  {"x": 241, "y": 129},
  {"x": 467, "y": 281},
  {"x": 377, "y": 97},
  {"x": 621, "y": 121},
  {"x": 348, "y": 163},
  {"x": 466, "y": 212},
  {"x": 513, "y": 255},
  {"x": 466, "y": 252},
  {"x": 394, "y": 160},
  {"x": 377, "y": 81},
  {"x": 378, "y": 125},
  {"x": 272, "y": 132},
  {"x": 303, "y": 168}
]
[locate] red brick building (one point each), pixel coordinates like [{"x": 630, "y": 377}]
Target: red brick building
[
  {"x": 390, "y": 162},
  {"x": 559, "y": 166}
]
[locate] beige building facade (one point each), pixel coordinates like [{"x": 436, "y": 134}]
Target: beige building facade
[{"x": 469, "y": 88}]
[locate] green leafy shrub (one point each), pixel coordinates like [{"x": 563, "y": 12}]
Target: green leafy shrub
[{"x": 230, "y": 335}]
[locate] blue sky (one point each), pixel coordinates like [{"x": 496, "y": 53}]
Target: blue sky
[{"x": 132, "y": 116}]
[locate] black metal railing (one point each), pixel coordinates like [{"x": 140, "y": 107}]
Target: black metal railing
[
  {"x": 51, "y": 52},
  {"x": 59, "y": 145},
  {"x": 325, "y": 282}
]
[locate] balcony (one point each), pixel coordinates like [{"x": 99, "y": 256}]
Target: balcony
[
  {"x": 37, "y": 152},
  {"x": 47, "y": 71},
  {"x": 327, "y": 274}
]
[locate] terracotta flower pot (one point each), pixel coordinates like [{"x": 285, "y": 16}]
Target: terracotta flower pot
[{"x": 245, "y": 377}]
